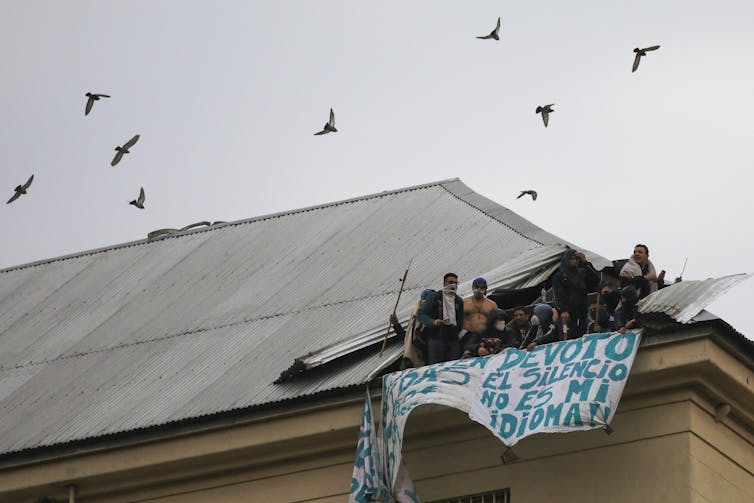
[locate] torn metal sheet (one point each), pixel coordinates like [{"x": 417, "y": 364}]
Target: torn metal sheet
[
  {"x": 527, "y": 269},
  {"x": 684, "y": 300}
]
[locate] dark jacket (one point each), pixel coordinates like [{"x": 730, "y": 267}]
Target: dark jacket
[
  {"x": 639, "y": 282},
  {"x": 431, "y": 310},
  {"x": 624, "y": 314},
  {"x": 628, "y": 308},
  {"x": 610, "y": 301},
  {"x": 571, "y": 286},
  {"x": 514, "y": 335},
  {"x": 541, "y": 335},
  {"x": 605, "y": 320},
  {"x": 546, "y": 335},
  {"x": 517, "y": 333},
  {"x": 544, "y": 331}
]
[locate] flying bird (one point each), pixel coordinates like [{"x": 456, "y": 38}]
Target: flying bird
[
  {"x": 532, "y": 193},
  {"x": 124, "y": 150},
  {"x": 493, "y": 33},
  {"x": 545, "y": 111},
  {"x": 21, "y": 189},
  {"x": 640, "y": 53},
  {"x": 92, "y": 98},
  {"x": 139, "y": 203},
  {"x": 329, "y": 126}
]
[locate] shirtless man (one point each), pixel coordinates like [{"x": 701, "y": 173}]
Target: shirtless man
[{"x": 476, "y": 308}]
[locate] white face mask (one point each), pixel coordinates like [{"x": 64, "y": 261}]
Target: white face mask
[
  {"x": 500, "y": 325},
  {"x": 479, "y": 293},
  {"x": 451, "y": 288},
  {"x": 534, "y": 320}
]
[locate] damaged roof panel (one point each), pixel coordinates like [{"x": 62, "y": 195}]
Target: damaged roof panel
[
  {"x": 529, "y": 268},
  {"x": 684, "y": 300}
]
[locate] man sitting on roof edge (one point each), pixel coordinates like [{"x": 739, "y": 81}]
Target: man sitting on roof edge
[{"x": 640, "y": 272}]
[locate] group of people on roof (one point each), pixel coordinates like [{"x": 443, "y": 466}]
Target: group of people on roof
[{"x": 445, "y": 327}]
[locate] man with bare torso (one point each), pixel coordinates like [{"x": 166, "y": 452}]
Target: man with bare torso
[{"x": 477, "y": 308}]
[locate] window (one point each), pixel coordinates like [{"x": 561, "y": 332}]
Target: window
[{"x": 500, "y": 496}]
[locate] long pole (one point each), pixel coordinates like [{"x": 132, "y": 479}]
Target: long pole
[
  {"x": 597, "y": 307},
  {"x": 684, "y": 267},
  {"x": 403, "y": 283}
]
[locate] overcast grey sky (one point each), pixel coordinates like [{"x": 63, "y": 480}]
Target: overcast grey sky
[{"x": 227, "y": 96}]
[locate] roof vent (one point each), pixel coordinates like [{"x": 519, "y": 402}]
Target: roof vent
[{"x": 164, "y": 232}]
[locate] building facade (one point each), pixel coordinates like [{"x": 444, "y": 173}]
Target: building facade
[{"x": 228, "y": 364}]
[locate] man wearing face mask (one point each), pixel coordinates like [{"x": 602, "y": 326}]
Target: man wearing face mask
[
  {"x": 543, "y": 330},
  {"x": 493, "y": 339},
  {"x": 609, "y": 297},
  {"x": 442, "y": 317},
  {"x": 477, "y": 308},
  {"x": 603, "y": 313},
  {"x": 627, "y": 313}
]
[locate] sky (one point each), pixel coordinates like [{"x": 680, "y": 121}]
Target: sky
[{"x": 226, "y": 96}]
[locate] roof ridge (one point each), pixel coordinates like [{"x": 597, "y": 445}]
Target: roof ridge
[
  {"x": 493, "y": 217},
  {"x": 259, "y": 218},
  {"x": 515, "y": 222}
]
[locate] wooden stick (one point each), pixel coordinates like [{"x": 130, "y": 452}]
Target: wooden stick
[
  {"x": 597, "y": 308},
  {"x": 403, "y": 283},
  {"x": 684, "y": 267}
]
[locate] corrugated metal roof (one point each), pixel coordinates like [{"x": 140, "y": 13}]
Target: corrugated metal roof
[
  {"x": 685, "y": 300},
  {"x": 202, "y": 322}
]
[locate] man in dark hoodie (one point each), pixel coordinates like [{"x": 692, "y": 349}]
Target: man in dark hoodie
[
  {"x": 543, "y": 330},
  {"x": 627, "y": 312},
  {"x": 571, "y": 286},
  {"x": 602, "y": 322},
  {"x": 442, "y": 317},
  {"x": 609, "y": 297},
  {"x": 603, "y": 312}
]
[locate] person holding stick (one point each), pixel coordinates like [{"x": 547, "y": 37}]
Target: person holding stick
[
  {"x": 414, "y": 344},
  {"x": 442, "y": 318},
  {"x": 397, "y": 301}
]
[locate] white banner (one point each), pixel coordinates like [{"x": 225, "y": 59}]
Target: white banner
[
  {"x": 566, "y": 386},
  {"x": 559, "y": 387},
  {"x": 448, "y": 383}
]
